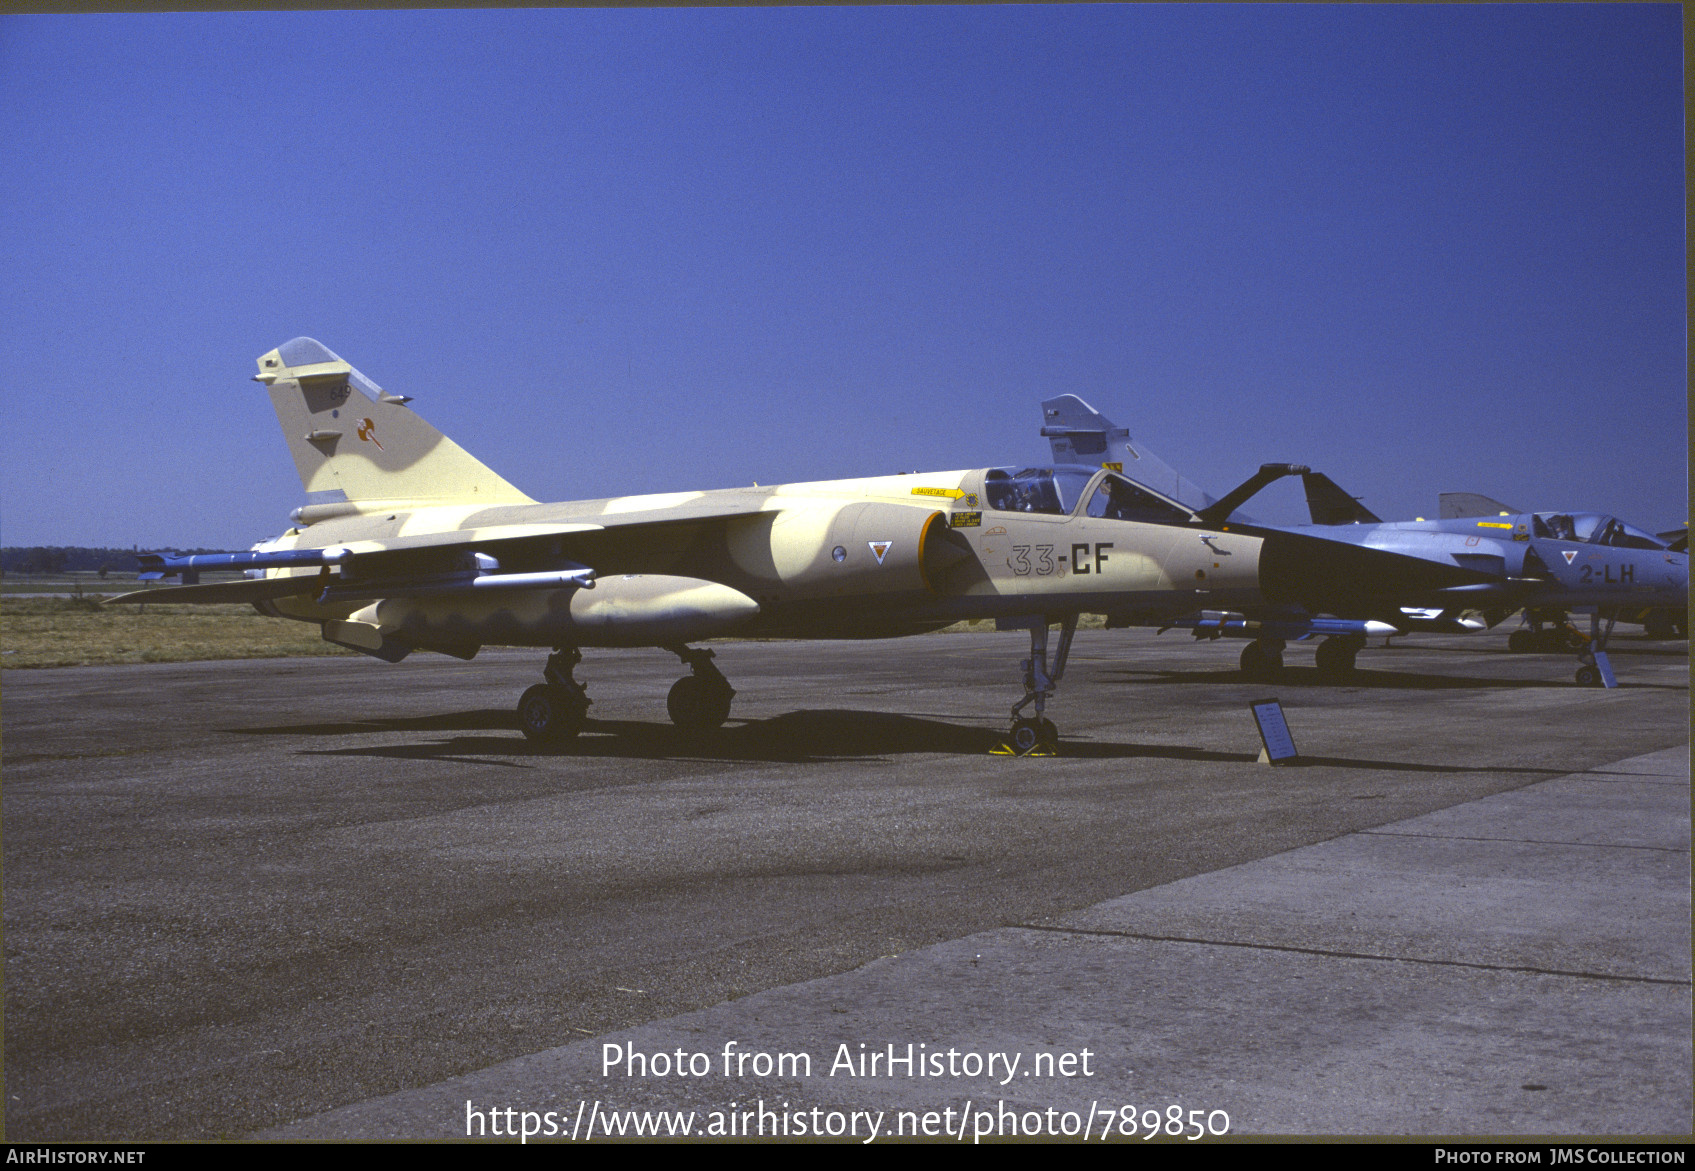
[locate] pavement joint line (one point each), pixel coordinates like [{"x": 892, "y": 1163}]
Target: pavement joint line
[
  {"x": 1329, "y": 953},
  {"x": 1662, "y": 778},
  {"x": 1389, "y": 833}
]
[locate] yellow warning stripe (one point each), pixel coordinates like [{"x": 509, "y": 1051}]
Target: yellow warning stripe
[
  {"x": 1492, "y": 524},
  {"x": 950, "y": 493}
]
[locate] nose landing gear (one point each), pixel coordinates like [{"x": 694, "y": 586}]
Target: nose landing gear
[
  {"x": 1037, "y": 736},
  {"x": 1593, "y": 669}
]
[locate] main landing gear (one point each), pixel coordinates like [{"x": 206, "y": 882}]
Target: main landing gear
[
  {"x": 1036, "y": 735},
  {"x": 1262, "y": 660},
  {"x": 552, "y": 713},
  {"x": 1335, "y": 655},
  {"x": 700, "y": 701}
]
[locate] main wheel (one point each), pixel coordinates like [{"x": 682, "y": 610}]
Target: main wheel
[
  {"x": 1260, "y": 665},
  {"x": 1521, "y": 641},
  {"x": 550, "y": 714},
  {"x": 1335, "y": 658},
  {"x": 1588, "y": 676},
  {"x": 699, "y": 705}
]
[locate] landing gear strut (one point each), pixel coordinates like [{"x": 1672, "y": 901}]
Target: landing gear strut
[
  {"x": 552, "y": 713},
  {"x": 700, "y": 701},
  {"x": 1036, "y": 735},
  {"x": 1592, "y": 658}
]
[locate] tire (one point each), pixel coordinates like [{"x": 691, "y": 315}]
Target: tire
[
  {"x": 549, "y": 714},
  {"x": 1026, "y": 735},
  {"x": 1334, "y": 659},
  {"x": 698, "y": 705},
  {"x": 1521, "y": 642},
  {"x": 1588, "y": 677},
  {"x": 1260, "y": 665}
]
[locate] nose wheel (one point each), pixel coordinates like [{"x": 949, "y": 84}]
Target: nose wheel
[{"x": 1032, "y": 738}]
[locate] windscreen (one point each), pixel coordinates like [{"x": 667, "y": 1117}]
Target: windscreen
[{"x": 1050, "y": 490}]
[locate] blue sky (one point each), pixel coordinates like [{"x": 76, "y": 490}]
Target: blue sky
[{"x": 1422, "y": 248}]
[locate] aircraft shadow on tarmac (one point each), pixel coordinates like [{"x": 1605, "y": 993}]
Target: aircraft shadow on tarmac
[{"x": 800, "y": 737}]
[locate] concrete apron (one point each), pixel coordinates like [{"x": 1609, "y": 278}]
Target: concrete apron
[{"x": 1517, "y": 965}]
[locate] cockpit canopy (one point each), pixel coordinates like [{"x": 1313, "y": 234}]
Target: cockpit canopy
[
  {"x": 1056, "y": 490},
  {"x": 1593, "y": 528}
]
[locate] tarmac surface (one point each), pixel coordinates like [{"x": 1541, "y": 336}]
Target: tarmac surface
[{"x": 339, "y": 898}]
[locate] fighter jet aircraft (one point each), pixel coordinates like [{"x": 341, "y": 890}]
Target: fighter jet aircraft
[
  {"x": 1547, "y": 625},
  {"x": 406, "y": 543},
  {"x": 1546, "y": 563}
]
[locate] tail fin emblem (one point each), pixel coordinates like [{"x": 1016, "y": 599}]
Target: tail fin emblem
[{"x": 368, "y": 430}]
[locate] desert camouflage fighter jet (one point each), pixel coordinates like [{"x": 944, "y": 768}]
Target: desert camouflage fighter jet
[
  {"x": 1545, "y": 563},
  {"x": 407, "y": 543}
]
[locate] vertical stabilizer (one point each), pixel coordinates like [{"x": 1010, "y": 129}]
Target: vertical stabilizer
[
  {"x": 1453, "y": 505},
  {"x": 1079, "y": 434},
  {"x": 355, "y": 445},
  {"x": 1329, "y": 505}
]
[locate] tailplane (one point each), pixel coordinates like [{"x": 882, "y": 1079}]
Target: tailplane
[{"x": 360, "y": 449}]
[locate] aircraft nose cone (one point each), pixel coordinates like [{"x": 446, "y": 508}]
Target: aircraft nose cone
[
  {"x": 1680, "y": 577},
  {"x": 1337, "y": 577}
]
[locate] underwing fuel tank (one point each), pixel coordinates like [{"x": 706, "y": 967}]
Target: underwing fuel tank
[{"x": 620, "y": 611}]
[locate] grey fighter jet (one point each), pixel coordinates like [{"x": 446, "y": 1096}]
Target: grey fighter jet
[
  {"x": 1547, "y": 626},
  {"x": 1544, "y": 562},
  {"x": 406, "y": 543}
]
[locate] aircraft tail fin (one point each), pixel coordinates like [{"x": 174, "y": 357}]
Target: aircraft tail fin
[
  {"x": 1329, "y": 505},
  {"x": 1079, "y": 434},
  {"x": 360, "y": 449},
  {"x": 1452, "y": 505}
]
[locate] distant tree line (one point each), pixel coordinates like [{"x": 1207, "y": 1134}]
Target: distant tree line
[{"x": 72, "y": 559}]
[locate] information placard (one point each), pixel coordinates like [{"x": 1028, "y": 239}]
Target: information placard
[{"x": 1279, "y": 745}]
